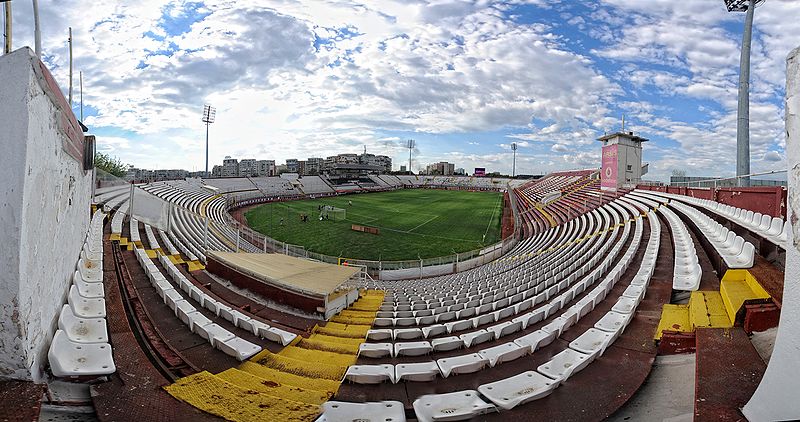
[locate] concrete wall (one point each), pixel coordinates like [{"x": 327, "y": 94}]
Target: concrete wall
[
  {"x": 777, "y": 396},
  {"x": 44, "y": 216}
]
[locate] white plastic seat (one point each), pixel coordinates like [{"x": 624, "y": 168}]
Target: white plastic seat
[
  {"x": 513, "y": 391},
  {"x": 420, "y": 372},
  {"x": 239, "y": 348},
  {"x": 505, "y": 328},
  {"x": 634, "y": 292},
  {"x": 476, "y": 337},
  {"x": 505, "y": 352},
  {"x": 454, "y": 406},
  {"x": 82, "y": 330},
  {"x": 744, "y": 259},
  {"x": 375, "y": 350},
  {"x": 412, "y": 348},
  {"x": 196, "y": 320},
  {"x": 458, "y": 325},
  {"x": 592, "y": 341},
  {"x": 564, "y": 364},
  {"x": 482, "y": 319},
  {"x": 68, "y": 358},
  {"x": 374, "y": 411},
  {"x": 183, "y": 309},
  {"x": 172, "y": 297},
  {"x": 258, "y": 327},
  {"x": 689, "y": 280},
  {"x": 536, "y": 339},
  {"x": 463, "y": 364},
  {"x": 379, "y": 334},
  {"x": 214, "y": 334},
  {"x": 370, "y": 374},
  {"x": 407, "y": 333},
  {"x": 446, "y": 343},
  {"x": 277, "y": 335},
  {"x": 88, "y": 290},
  {"x": 383, "y": 322},
  {"x": 556, "y": 326},
  {"x": 613, "y": 322},
  {"x": 84, "y": 307}
]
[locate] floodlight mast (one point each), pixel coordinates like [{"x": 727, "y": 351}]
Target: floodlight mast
[
  {"x": 743, "y": 110},
  {"x": 514, "y": 162},
  {"x": 209, "y": 115},
  {"x": 410, "y": 145}
]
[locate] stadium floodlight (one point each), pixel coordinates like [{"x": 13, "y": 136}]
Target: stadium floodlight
[
  {"x": 743, "y": 110},
  {"x": 209, "y": 115},
  {"x": 7, "y": 27},
  {"x": 410, "y": 145},
  {"x": 514, "y": 162}
]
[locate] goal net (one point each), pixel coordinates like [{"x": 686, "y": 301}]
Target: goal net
[{"x": 329, "y": 212}]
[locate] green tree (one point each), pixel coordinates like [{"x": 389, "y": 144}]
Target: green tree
[{"x": 110, "y": 165}]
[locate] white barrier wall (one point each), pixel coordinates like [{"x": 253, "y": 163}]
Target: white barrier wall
[
  {"x": 44, "y": 211},
  {"x": 777, "y": 396}
]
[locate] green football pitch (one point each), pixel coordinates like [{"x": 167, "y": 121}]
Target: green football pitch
[{"x": 413, "y": 223}]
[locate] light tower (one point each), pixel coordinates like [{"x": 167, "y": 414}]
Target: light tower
[
  {"x": 209, "y": 114},
  {"x": 410, "y": 145},
  {"x": 514, "y": 162},
  {"x": 743, "y": 111}
]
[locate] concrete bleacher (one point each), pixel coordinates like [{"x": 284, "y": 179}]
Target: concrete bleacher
[{"x": 312, "y": 185}]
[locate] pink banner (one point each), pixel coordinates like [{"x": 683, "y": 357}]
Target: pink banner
[{"x": 608, "y": 177}]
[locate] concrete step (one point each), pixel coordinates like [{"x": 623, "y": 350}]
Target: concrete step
[{"x": 727, "y": 372}]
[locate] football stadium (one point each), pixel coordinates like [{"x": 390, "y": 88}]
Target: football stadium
[
  {"x": 411, "y": 223},
  {"x": 358, "y": 288}
]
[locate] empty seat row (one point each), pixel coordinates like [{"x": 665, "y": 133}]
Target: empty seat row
[
  {"x": 733, "y": 249},
  {"x": 198, "y": 323},
  {"x": 774, "y": 229},
  {"x": 220, "y": 309},
  {"x": 80, "y": 346},
  {"x": 686, "y": 269}
]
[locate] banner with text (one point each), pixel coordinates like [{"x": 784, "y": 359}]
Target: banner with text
[{"x": 608, "y": 177}]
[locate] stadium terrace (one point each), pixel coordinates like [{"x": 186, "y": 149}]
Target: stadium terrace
[{"x": 351, "y": 292}]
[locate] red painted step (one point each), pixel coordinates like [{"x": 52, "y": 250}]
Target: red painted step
[{"x": 727, "y": 372}]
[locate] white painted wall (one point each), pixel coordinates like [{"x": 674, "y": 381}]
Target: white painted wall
[
  {"x": 777, "y": 396},
  {"x": 44, "y": 216}
]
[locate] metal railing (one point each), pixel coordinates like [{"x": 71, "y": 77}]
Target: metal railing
[{"x": 734, "y": 181}]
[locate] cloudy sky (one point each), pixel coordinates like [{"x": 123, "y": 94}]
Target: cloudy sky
[{"x": 465, "y": 79}]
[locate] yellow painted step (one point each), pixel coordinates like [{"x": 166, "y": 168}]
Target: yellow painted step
[
  {"x": 300, "y": 367},
  {"x": 319, "y": 344},
  {"x": 350, "y": 313},
  {"x": 310, "y": 355},
  {"x": 706, "y": 310},
  {"x": 343, "y": 330},
  {"x": 674, "y": 318},
  {"x": 219, "y": 397},
  {"x": 317, "y": 384},
  {"x": 195, "y": 265},
  {"x": 249, "y": 381},
  {"x": 353, "y": 321},
  {"x": 337, "y": 339},
  {"x": 738, "y": 286},
  {"x": 176, "y": 259}
]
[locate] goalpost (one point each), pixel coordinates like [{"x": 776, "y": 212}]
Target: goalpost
[{"x": 330, "y": 212}]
